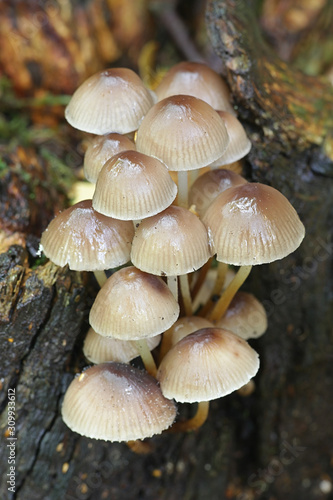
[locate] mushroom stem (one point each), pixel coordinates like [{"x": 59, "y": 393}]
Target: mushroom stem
[
  {"x": 166, "y": 344},
  {"x": 146, "y": 356},
  {"x": 182, "y": 200},
  {"x": 201, "y": 278},
  {"x": 172, "y": 282},
  {"x": 229, "y": 293},
  {"x": 222, "y": 269},
  {"x": 186, "y": 294},
  {"x": 195, "y": 422},
  {"x": 100, "y": 277},
  {"x": 140, "y": 447}
]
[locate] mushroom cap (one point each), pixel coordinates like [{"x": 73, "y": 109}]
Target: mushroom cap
[
  {"x": 99, "y": 349},
  {"x": 245, "y": 316},
  {"x": 86, "y": 240},
  {"x": 116, "y": 402},
  {"x": 198, "y": 80},
  {"x": 185, "y": 326},
  {"x": 132, "y": 185},
  {"x": 113, "y": 100},
  {"x": 183, "y": 132},
  {"x": 133, "y": 305},
  {"x": 239, "y": 145},
  {"x": 253, "y": 224},
  {"x": 205, "y": 365},
  {"x": 101, "y": 149},
  {"x": 209, "y": 185},
  {"x": 171, "y": 243}
]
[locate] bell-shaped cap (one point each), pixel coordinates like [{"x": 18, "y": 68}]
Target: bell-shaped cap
[
  {"x": 205, "y": 365},
  {"x": 86, "y": 240},
  {"x": 116, "y": 402},
  {"x": 113, "y": 100},
  {"x": 253, "y": 224}
]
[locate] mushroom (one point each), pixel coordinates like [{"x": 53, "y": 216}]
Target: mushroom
[
  {"x": 87, "y": 241},
  {"x": 116, "y": 402},
  {"x": 205, "y": 365},
  {"x": 132, "y": 186},
  {"x": 112, "y": 100},
  {"x": 250, "y": 224}
]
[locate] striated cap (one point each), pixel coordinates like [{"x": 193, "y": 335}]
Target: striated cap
[
  {"x": 209, "y": 185},
  {"x": 133, "y": 305},
  {"x": 116, "y": 402},
  {"x": 113, "y": 100},
  {"x": 99, "y": 349},
  {"x": 253, "y": 224},
  {"x": 101, "y": 149},
  {"x": 171, "y": 243},
  {"x": 205, "y": 365},
  {"x": 183, "y": 132},
  {"x": 86, "y": 240},
  {"x": 239, "y": 145},
  {"x": 198, "y": 80},
  {"x": 245, "y": 316},
  {"x": 132, "y": 185}
]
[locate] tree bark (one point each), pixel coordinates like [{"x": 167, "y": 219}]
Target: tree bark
[{"x": 276, "y": 443}]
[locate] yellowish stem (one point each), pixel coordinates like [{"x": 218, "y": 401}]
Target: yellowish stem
[
  {"x": 100, "y": 277},
  {"x": 146, "y": 356},
  {"x": 195, "y": 422},
  {"x": 172, "y": 282},
  {"x": 201, "y": 277},
  {"x": 222, "y": 269},
  {"x": 165, "y": 344},
  {"x": 186, "y": 294},
  {"x": 182, "y": 199},
  {"x": 229, "y": 293}
]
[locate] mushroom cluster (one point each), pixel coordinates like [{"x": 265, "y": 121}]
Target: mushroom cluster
[{"x": 167, "y": 205}]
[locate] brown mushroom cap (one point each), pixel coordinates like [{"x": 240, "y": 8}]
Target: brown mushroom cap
[
  {"x": 101, "y": 149},
  {"x": 86, "y": 240},
  {"x": 253, "y": 224},
  {"x": 209, "y": 185},
  {"x": 198, "y": 80},
  {"x": 113, "y": 100},
  {"x": 171, "y": 243},
  {"x": 183, "y": 132},
  {"x": 185, "y": 326},
  {"x": 133, "y": 186},
  {"x": 99, "y": 349},
  {"x": 133, "y": 305},
  {"x": 205, "y": 365},
  {"x": 239, "y": 145},
  {"x": 116, "y": 402},
  {"x": 245, "y": 316}
]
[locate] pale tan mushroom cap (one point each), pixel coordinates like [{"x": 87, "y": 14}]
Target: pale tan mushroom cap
[
  {"x": 198, "y": 80},
  {"x": 133, "y": 305},
  {"x": 183, "y": 132},
  {"x": 113, "y": 100},
  {"x": 86, "y": 240},
  {"x": 101, "y": 149},
  {"x": 209, "y": 185},
  {"x": 99, "y": 349},
  {"x": 185, "y": 326},
  {"x": 206, "y": 365},
  {"x": 132, "y": 185},
  {"x": 239, "y": 145},
  {"x": 253, "y": 224},
  {"x": 246, "y": 317},
  {"x": 171, "y": 243},
  {"x": 116, "y": 402}
]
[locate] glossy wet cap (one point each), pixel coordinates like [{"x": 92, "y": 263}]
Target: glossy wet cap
[
  {"x": 183, "y": 132},
  {"x": 253, "y": 224},
  {"x": 116, "y": 402},
  {"x": 101, "y": 149},
  {"x": 205, "y": 365},
  {"x": 246, "y": 317},
  {"x": 132, "y": 185},
  {"x": 99, "y": 349},
  {"x": 86, "y": 240},
  {"x": 171, "y": 243},
  {"x": 132, "y": 305},
  {"x": 209, "y": 185},
  {"x": 198, "y": 80},
  {"x": 113, "y": 100}
]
